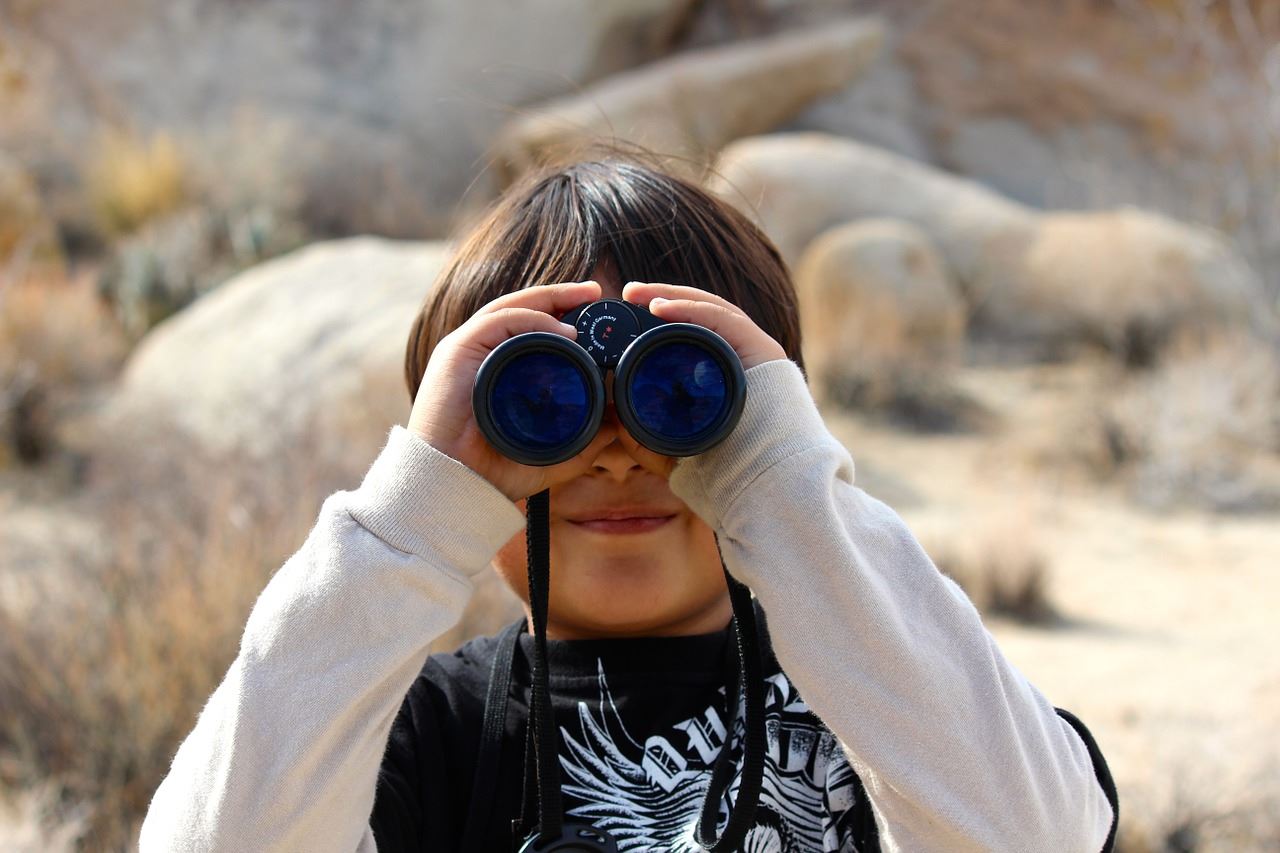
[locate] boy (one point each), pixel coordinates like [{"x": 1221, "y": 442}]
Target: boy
[{"x": 894, "y": 721}]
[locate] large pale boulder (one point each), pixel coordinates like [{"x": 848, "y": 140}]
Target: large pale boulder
[
  {"x": 799, "y": 185},
  {"x": 404, "y": 96},
  {"x": 1123, "y": 278},
  {"x": 309, "y": 342},
  {"x": 284, "y": 381},
  {"x": 695, "y": 103},
  {"x": 1131, "y": 278},
  {"x": 876, "y": 289}
]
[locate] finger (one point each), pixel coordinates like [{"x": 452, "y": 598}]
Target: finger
[
  {"x": 554, "y": 299},
  {"x": 725, "y": 322},
  {"x": 488, "y": 330},
  {"x": 752, "y": 344},
  {"x": 644, "y": 292}
]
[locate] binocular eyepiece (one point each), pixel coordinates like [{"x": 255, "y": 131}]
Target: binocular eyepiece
[{"x": 678, "y": 388}]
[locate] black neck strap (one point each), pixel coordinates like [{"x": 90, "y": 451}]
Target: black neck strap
[
  {"x": 552, "y": 831},
  {"x": 488, "y": 760}
]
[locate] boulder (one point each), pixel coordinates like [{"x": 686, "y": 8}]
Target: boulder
[
  {"x": 309, "y": 343},
  {"x": 1123, "y": 278},
  {"x": 881, "y": 106},
  {"x": 693, "y": 104},
  {"x": 798, "y": 185},
  {"x": 284, "y": 382},
  {"x": 876, "y": 289},
  {"x": 1130, "y": 279}
]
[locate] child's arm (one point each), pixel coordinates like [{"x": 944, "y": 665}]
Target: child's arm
[
  {"x": 957, "y": 750},
  {"x": 286, "y": 753}
]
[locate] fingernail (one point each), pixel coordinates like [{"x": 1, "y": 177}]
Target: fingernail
[
  {"x": 657, "y": 300},
  {"x": 569, "y": 328},
  {"x": 634, "y": 282}
]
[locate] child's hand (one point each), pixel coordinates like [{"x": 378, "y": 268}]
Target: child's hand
[
  {"x": 442, "y": 413},
  {"x": 678, "y": 304}
]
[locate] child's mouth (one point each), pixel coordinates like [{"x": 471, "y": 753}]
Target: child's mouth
[{"x": 626, "y": 525}]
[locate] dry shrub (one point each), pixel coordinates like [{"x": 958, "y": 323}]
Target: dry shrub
[
  {"x": 241, "y": 205},
  {"x": 104, "y": 676},
  {"x": 21, "y": 828},
  {"x": 1203, "y": 429},
  {"x": 1191, "y": 823},
  {"x": 1000, "y": 568},
  {"x": 911, "y": 393},
  {"x": 56, "y": 339},
  {"x": 26, "y": 231},
  {"x": 133, "y": 179}
]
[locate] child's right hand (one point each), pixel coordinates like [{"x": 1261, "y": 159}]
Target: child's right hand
[{"x": 442, "y": 413}]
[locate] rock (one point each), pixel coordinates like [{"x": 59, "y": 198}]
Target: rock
[
  {"x": 798, "y": 185},
  {"x": 311, "y": 343},
  {"x": 1122, "y": 278},
  {"x": 881, "y": 107},
  {"x": 876, "y": 289},
  {"x": 405, "y": 96},
  {"x": 692, "y": 105},
  {"x": 273, "y": 390},
  {"x": 1130, "y": 279}
]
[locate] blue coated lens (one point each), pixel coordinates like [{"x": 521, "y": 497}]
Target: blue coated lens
[
  {"x": 679, "y": 390},
  {"x": 540, "y": 401}
]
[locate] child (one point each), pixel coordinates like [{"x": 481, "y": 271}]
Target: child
[{"x": 893, "y": 720}]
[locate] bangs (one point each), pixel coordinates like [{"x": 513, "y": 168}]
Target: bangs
[{"x": 640, "y": 223}]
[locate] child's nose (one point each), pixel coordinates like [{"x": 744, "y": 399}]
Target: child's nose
[{"x": 614, "y": 460}]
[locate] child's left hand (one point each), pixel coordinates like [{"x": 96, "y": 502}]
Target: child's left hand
[{"x": 678, "y": 304}]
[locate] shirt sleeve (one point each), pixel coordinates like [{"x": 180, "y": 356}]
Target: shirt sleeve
[
  {"x": 285, "y": 754},
  {"x": 958, "y": 751}
]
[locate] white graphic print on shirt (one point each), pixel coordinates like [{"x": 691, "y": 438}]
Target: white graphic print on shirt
[{"x": 649, "y": 796}]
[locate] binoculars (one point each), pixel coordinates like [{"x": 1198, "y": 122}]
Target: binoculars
[{"x": 678, "y": 388}]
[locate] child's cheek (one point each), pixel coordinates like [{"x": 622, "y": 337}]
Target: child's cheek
[{"x": 509, "y": 562}]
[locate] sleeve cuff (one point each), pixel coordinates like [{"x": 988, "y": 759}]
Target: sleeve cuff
[
  {"x": 779, "y": 420},
  {"x": 422, "y": 501}
]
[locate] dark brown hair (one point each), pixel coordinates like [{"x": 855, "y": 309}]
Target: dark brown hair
[{"x": 558, "y": 223}]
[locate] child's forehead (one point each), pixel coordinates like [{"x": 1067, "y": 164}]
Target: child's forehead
[{"x": 610, "y": 282}]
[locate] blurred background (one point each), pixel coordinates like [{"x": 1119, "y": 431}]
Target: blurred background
[{"x": 1036, "y": 245}]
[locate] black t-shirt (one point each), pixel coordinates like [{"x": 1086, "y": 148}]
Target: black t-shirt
[{"x": 640, "y": 723}]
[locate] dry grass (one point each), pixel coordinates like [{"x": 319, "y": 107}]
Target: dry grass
[
  {"x": 908, "y": 392},
  {"x": 104, "y": 675},
  {"x": 56, "y": 340},
  {"x": 1001, "y": 569},
  {"x": 1188, "y": 823},
  {"x": 104, "y": 669},
  {"x": 1203, "y": 429},
  {"x": 240, "y": 203},
  {"x": 134, "y": 179}
]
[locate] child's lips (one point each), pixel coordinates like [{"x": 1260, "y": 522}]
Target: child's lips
[{"x": 622, "y": 525}]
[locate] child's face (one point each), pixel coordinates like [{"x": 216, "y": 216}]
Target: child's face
[
  {"x": 655, "y": 571},
  {"x": 628, "y": 557}
]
